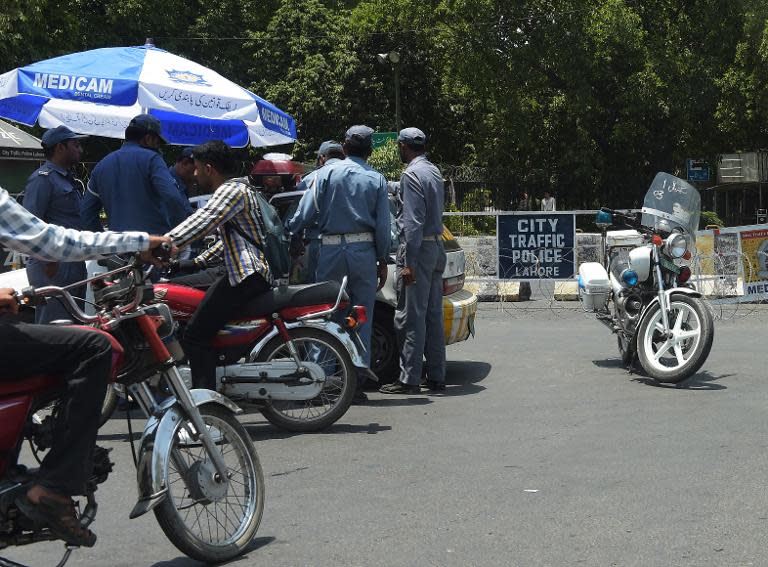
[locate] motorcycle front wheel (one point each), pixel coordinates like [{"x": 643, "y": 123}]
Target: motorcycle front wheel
[
  {"x": 208, "y": 520},
  {"x": 677, "y": 357},
  {"x": 336, "y": 396}
]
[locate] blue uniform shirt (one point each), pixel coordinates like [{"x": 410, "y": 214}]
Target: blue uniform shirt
[
  {"x": 422, "y": 194},
  {"x": 136, "y": 190},
  {"x": 53, "y": 194},
  {"x": 349, "y": 197},
  {"x": 183, "y": 190},
  {"x": 296, "y": 223}
]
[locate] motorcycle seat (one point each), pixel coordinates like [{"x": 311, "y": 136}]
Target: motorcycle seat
[{"x": 294, "y": 296}]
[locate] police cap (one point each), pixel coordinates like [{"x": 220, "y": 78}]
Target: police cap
[
  {"x": 57, "y": 135},
  {"x": 412, "y": 137},
  {"x": 148, "y": 124},
  {"x": 327, "y": 147},
  {"x": 359, "y": 137}
]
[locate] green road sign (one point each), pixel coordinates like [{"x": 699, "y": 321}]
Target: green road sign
[{"x": 378, "y": 139}]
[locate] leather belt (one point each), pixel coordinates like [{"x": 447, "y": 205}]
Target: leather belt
[
  {"x": 336, "y": 239},
  {"x": 435, "y": 237}
]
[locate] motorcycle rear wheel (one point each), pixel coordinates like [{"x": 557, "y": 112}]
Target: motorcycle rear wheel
[
  {"x": 679, "y": 357},
  {"x": 203, "y": 519},
  {"x": 333, "y": 401}
]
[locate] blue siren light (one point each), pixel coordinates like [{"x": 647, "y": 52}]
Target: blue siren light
[
  {"x": 629, "y": 277},
  {"x": 603, "y": 218}
]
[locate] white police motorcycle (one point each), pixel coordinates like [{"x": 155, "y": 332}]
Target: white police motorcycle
[{"x": 641, "y": 293}]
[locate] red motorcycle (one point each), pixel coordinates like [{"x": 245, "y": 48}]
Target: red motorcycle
[
  {"x": 293, "y": 353},
  {"x": 194, "y": 459}
]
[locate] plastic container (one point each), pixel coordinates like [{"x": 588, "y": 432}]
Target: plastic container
[{"x": 594, "y": 286}]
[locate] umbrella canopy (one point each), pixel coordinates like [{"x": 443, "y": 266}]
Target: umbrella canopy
[
  {"x": 18, "y": 145},
  {"x": 97, "y": 92}
]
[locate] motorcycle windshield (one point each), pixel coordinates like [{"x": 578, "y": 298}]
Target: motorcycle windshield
[{"x": 672, "y": 204}]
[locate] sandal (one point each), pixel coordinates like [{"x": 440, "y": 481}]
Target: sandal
[{"x": 58, "y": 517}]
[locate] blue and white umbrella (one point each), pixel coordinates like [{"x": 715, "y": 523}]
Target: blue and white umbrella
[{"x": 97, "y": 92}]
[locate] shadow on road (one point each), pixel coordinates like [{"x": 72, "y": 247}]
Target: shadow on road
[
  {"x": 260, "y": 431},
  {"x": 700, "y": 381},
  {"x": 256, "y": 544},
  {"x": 462, "y": 377}
]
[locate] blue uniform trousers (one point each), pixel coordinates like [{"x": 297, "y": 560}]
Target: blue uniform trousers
[
  {"x": 357, "y": 261},
  {"x": 67, "y": 273},
  {"x": 419, "y": 317}
]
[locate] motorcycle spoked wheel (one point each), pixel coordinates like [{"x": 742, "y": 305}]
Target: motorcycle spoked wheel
[
  {"x": 336, "y": 396},
  {"x": 672, "y": 360},
  {"x": 205, "y": 520}
]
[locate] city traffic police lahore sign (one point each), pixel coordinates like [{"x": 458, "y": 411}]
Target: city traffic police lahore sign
[{"x": 534, "y": 246}]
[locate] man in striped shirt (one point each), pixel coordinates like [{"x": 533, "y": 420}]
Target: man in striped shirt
[
  {"x": 81, "y": 357},
  {"x": 234, "y": 212}
]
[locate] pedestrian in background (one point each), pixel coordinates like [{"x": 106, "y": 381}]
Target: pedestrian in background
[
  {"x": 307, "y": 246},
  {"x": 183, "y": 173},
  {"x": 524, "y": 202},
  {"x": 420, "y": 264},
  {"x": 53, "y": 194},
  {"x": 352, "y": 208},
  {"x": 134, "y": 186},
  {"x": 548, "y": 202}
]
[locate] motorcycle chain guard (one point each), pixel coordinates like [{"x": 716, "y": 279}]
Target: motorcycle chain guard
[{"x": 277, "y": 380}]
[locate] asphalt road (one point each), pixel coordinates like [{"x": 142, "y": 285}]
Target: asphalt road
[{"x": 542, "y": 451}]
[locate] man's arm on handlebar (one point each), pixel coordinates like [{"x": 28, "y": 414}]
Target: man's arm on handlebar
[
  {"x": 22, "y": 231},
  {"x": 8, "y": 302}
]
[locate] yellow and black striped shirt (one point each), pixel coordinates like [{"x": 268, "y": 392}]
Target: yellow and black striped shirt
[{"x": 234, "y": 211}]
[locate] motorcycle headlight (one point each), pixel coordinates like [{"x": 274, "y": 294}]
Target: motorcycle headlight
[{"x": 676, "y": 245}]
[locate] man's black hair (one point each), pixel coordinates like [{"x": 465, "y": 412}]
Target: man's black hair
[
  {"x": 219, "y": 155},
  {"x": 356, "y": 151},
  {"x": 48, "y": 151},
  {"x": 335, "y": 153},
  {"x": 134, "y": 134}
]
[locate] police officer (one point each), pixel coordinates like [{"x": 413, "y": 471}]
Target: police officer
[
  {"x": 53, "y": 194},
  {"x": 350, "y": 200},
  {"x": 420, "y": 262},
  {"x": 134, "y": 186},
  {"x": 330, "y": 152},
  {"x": 183, "y": 173}
]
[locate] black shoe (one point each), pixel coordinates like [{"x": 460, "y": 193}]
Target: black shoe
[
  {"x": 433, "y": 386},
  {"x": 398, "y": 387},
  {"x": 360, "y": 397}
]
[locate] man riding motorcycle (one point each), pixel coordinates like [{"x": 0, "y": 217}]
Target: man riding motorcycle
[
  {"x": 234, "y": 211},
  {"x": 80, "y": 356}
]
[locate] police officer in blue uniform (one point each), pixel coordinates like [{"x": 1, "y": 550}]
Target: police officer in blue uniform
[
  {"x": 420, "y": 264},
  {"x": 330, "y": 152},
  {"x": 54, "y": 194},
  {"x": 352, "y": 208},
  {"x": 183, "y": 173},
  {"x": 134, "y": 186}
]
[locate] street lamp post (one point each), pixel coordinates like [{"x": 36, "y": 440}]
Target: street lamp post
[{"x": 393, "y": 58}]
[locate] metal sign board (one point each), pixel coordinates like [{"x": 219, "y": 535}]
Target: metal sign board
[
  {"x": 536, "y": 246},
  {"x": 698, "y": 170}
]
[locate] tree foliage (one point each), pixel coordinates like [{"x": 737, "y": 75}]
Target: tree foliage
[{"x": 585, "y": 99}]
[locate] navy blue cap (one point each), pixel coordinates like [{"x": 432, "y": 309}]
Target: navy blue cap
[
  {"x": 187, "y": 153},
  {"x": 412, "y": 137},
  {"x": 57, "y": 135},
  {"x": 359, "y": 136},
  {"x": 327, "y": 147},
  {"x": 149, "y": 124}
]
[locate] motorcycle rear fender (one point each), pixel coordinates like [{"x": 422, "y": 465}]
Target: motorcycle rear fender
[
  {"x": 155, "y": 450},
  {"x": 331, "y": 327},
  {"x": 668, "y": 293}
]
